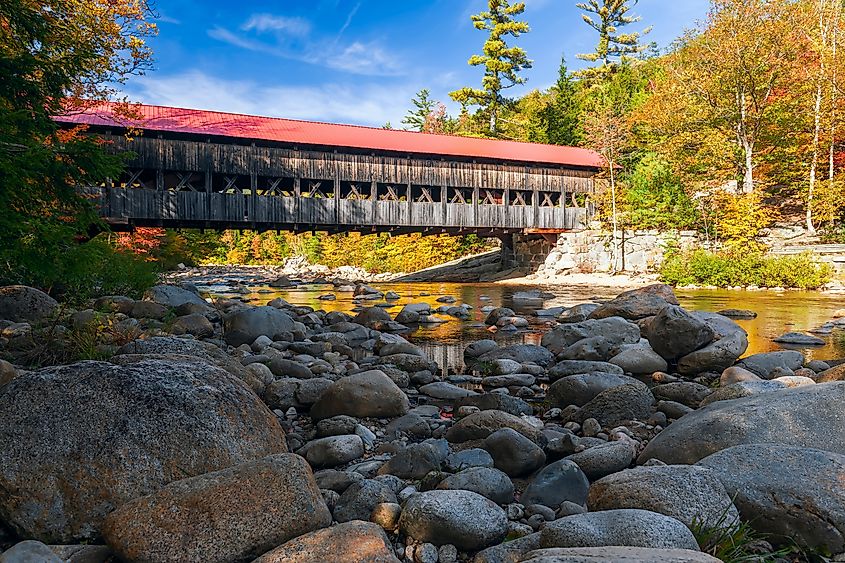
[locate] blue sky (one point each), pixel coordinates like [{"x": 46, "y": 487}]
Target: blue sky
[{"x": 354, "y": 61}]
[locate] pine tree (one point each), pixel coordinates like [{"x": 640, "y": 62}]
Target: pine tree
[
  {"x": 613, "y": 47},
  {"x": 416, "y": 118},
  {"x": 562, "y": 118},
  {"x": 502, "y": 63}
]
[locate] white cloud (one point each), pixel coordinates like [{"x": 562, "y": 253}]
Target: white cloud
[
  {"x": 268, "y": 22},
  {"x": 361, "y": 104},
  {"x": 369, "y": 59}
]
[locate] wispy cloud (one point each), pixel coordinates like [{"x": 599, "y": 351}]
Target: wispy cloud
[
  {"x": 268, "y": 22},
  {"x": 367, "y": 104},
  {"x": 348, "y": 21},
  {"x": 369, "y": 59}
]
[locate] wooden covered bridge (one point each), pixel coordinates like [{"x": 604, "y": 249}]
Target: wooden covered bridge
[{"x": 212, "y": 170}]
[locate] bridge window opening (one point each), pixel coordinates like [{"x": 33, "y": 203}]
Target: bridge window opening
[
  {"x": 277, "y": 187},
  {"x": 426, "y": 194},
  {"x": 491, "y": 197},
  {"x": 137, "y": 179},
  {"x": 391, "y": 192},
  {"x": 230, "y": 184},
  {"x": 521, "y": 198},
  {"x": 550, "y": 199},
  {"x": 355, "y": 190},
  {"x": 460, "y": 195},
  {"x": 184, "y": 181},
  {"x": 317, "y": 189}
]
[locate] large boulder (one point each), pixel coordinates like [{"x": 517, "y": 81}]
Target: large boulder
[
  {"x": 616, "y": 405},
  {"x": 673, "y": 333},
  {"x": 583, "y": 388},
  {"x": 716, "y": 356},
  {"x": 557, "y": 483},
  {"x": 479, "y": 425},
  {"x": 617, "y": 554},
  {"x": 773, "y": 364},
  {"x": 174, "y": 296},
  {"x": 351, "y": 541},
  {"x": 637, "y": 303},
  {"x": 79, "y": 441},
  {"x": 685, "y": 492},
  {"x": 464, "y": 519},
  {"x": 170, "y": 345},
  {"x": 366, "y": 394},
  {"x": 579, "y": 367},
  {"x": 486, "y": 481},
  {"x": 786, "y": 491},
  {"x": 513, "y": 453},
  {"x": 522, "y": 353},
  {"x": 803, "y": 416},
  {"x": 614, "y": 330},
  {"x": 604, "y": 459},
  {"x": 234, "y": 514},
  {"x": 624, "y": 527},
  {"x": 245, "y": 325},
  {"x": 639, "y": 359},
  {"x": 19, "y": 303}
]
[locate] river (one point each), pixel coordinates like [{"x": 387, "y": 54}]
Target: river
[{"x": 777, "y": 312}]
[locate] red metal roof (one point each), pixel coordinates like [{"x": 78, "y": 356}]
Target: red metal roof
[{"x": 232, "y": 125}]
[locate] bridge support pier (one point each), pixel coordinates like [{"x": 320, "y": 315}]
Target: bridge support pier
[
  {"x": 526, "y": 252},
  {"x": 507, "y": 252}
]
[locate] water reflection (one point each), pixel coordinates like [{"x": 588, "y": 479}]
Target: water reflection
[{"x": 777, "y": 312}]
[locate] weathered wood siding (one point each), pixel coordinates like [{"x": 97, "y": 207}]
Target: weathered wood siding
[{"x": 189, "y": 183}]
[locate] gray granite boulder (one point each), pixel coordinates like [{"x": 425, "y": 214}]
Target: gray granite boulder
[
  {"x": 767, "y": 363},
  {"x": 617, "y": 555},
  {"x": 486, "y": 481},
  {"x": 80, "y": 440},
  {"x": 234, "y": 514},
  {"x": 786, "y": 491},
  {"x": 580, "y": 389},
  {"x": 685, "y": 492},
  {"x": 803, "y": 417},
  {"x": 556, "y": 483},
  {"x": 513, "y": 453},
  {"x": 366, "y": 394},
  {"x": 673, "y": 333},
  {"x": 356, "y": 540},
  {"x": 174, "y": 296},
  {"x": 464, "y": 519},
  {"x": 245, "y": 325},
  {"x": 625, "y": 527},
  {"x": 478, "y": 426},
  {"x": 19, "y": 303}
]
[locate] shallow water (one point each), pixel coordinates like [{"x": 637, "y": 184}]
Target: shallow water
[{"x": 777, "y": 312}]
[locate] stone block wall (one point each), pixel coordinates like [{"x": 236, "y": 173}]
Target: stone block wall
[
  {"x": 591, "y": 251},
  {"x": 530, "y": 252}
]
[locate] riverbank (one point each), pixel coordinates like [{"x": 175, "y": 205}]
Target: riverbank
[{"x": 317, "y": 425}]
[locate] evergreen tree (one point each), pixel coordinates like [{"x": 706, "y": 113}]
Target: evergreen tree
[
  {"x": 502, "y": 64},
  {"x": 613, "y": 46},
  {"x": 562, "y": 118},
  {"x": 416, "y": 118}
]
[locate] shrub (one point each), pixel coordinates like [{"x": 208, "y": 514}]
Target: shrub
[
  {"x": 79, "y": 271},
  {"x": 701, "y": 267}
]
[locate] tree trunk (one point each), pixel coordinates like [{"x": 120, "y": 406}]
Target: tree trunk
[
  {"x": 814, "y": 163},
  {"x": 748, "y": 178},
  {"x": 615, "y": 256}
]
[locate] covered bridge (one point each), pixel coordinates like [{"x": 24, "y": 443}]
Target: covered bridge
[{"x": 205, "y": 169}]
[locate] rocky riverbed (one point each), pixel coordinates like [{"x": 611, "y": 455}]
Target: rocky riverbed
[{"x": 221, "y": 431}]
